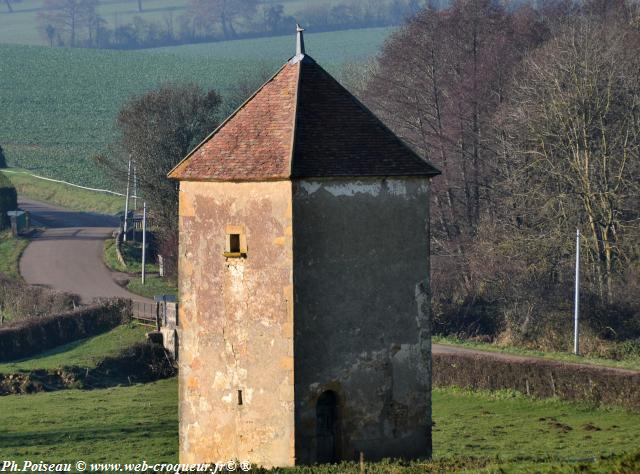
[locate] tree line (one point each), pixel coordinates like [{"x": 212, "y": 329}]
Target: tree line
[
  {"x": 77, "y": 23},
  {"x": 533, "y": 115}
]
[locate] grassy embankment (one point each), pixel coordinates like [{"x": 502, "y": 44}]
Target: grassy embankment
[
  {"x": 131, "y": 252},
  {"x": 10, "y": 252},
  {"x": 63, "y": 195},
  {"x": 632, "y": 363},
  {"x": 496, "y": 429},
  {"x": 154, "y": 285},
  {"x": 83, "y": 353}
]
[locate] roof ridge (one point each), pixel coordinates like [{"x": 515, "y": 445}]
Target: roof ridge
[
  {"x": 224, "y": 122},
  {"x": 295, "y": 119}
]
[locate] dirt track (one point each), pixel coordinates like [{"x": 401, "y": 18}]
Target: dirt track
[{"x": 67, "y": 256}]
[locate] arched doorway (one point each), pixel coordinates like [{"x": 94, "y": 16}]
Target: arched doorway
[{"x": 327, "y": 427}]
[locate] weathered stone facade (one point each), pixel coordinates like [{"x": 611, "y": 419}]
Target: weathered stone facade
[
  {"x": 361, "y": 248},
  {"x": 236, "y": 324},
  {"x": 320, "y": 258}
]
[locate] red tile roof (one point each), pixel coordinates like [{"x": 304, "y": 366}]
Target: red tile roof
[{"x": 300, "y": 123}]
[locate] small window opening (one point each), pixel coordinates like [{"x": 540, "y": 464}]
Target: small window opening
[
  {"x": 234, "y": 243},
  {"x": 239, "y": 397}
]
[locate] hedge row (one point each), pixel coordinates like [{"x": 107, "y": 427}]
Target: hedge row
[
  {"x": 26, "y": 337},
  {"x": 141, "y": 363},
  {"x": 8, "y": 200},
  {"x": 539, "y": 378}
]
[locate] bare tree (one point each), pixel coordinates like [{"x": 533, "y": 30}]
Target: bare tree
[
  {"x": 69, "y": 18},
  {"x": 206, "y": 14},
  {"x": 573, "y": 125},
  {"x": 439, "y": 82}
]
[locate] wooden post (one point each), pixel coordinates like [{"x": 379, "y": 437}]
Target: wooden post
[
  {"x": 158, "y": 317},
  {"x": 362, "y": 470}
]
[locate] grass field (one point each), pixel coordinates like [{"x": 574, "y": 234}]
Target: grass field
[
  {"x": 63, "y": 195},
  {"x": 10, "y": 252},
  {"x": 122, "y": 424},
  {"x": 631, "y": 363},
  {"x": 83, "y": 353},
  {"x": 92, "y": 425},
  {"x": 330, "y": 48},
  {"x": 154, "y": 285},
  {"x": 61, "y": 111}
]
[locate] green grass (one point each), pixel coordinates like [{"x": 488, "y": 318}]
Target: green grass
[
  {"x": 633, "y": 363},
  {"x": 140, "y": 422},
  {"x": 83, "y": 353},
  {"x": 510, "y": 426},
  {"x": 132, "y": 254},
  {"x": 62, "y": 111},
  {"x": 154, "y": 285},
  {"x": 122, "y": 424},
  {"x": 10, "y": 252},
  {"x": 63, "y": 195},
  {"x": 110, "y": 256}
]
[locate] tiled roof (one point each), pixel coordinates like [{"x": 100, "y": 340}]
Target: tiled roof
[{"x": 301, "y": 123}]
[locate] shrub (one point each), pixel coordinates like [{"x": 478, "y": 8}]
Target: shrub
[
  {"x": 21, "y": 301},
  {"x": 27, "y": 337}
]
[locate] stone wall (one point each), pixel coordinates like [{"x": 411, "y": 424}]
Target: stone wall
[
  {"x": 362, "y": 322},
  {"x": 236, "y": 324}
]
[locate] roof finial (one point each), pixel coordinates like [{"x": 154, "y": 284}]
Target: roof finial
[{"x": 300, "y": 42}]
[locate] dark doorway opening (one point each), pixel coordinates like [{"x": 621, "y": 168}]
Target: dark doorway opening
[{"x": 327, "y": 427}]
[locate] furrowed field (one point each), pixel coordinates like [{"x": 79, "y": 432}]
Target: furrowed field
[{"x": 59, "y": 105}]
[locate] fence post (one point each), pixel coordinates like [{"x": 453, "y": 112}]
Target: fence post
[{"x": 158, "y": 317}]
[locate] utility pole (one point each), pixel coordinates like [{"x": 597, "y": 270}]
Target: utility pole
[
  {"x": 144, "y": 239},
  {"x": 135, "y": 188},
  {"x": 126, "y": 203},
  {"x": 576, "y": 305}
]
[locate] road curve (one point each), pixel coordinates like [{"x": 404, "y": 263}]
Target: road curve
[{"x": 67, "y": 255}]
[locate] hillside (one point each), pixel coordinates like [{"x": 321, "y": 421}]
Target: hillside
[{"x": 61, "y": 112}]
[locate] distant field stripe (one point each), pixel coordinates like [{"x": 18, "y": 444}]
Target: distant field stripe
[{"x": 67, "y": 183}]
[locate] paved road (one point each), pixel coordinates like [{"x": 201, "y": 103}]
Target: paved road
[{"x": 67, "y": 256}]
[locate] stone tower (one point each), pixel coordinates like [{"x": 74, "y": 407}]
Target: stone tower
[{"x": 304, "y": 282}]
